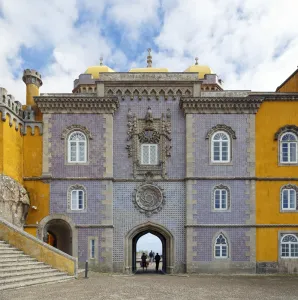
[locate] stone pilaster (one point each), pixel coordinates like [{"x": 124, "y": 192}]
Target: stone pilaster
[
  {"x": 46, "y": 158},
  {"x": 190, "y": 140},
  {"x": 108, "y": 147}
]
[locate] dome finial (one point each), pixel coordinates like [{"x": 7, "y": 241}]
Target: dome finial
[
  {"x": 196, "y": 59},
  {"x": 149, "y": 58},
  {"x": 100, "y": 61}
]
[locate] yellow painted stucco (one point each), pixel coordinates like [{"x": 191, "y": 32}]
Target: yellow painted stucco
[
  {"x": 267, "y": 243},
  {"x": 269, "y": 119},
  {"x": 32, "y": 153},
  {"x": 39, "y": 194},
  {"x": 290, "y": 85},
  {"x": 31, "y": 230},
  {"x": 31, "y": 91},
  {"x": 11, "y": 144},
  {"x": 202, "y": 70}
]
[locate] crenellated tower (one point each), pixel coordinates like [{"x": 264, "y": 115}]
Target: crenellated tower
[{"x": 33, "y": 82}]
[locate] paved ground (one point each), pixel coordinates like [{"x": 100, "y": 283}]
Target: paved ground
[{"x": 160, "y": 287}]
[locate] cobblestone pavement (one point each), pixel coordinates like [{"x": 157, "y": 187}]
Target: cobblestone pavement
[{"x": 101, "y": 286}]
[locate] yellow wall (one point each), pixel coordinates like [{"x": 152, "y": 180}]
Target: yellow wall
[
  {"x": 32, "y": 153},
  {"x": 270, "y": 117},
  {"x": 291, "y": 85},
  {"x": 11, "y": 151},
  {"x": 267, "y": 243}
]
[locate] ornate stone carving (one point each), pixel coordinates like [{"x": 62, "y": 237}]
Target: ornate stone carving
[
  {"x": 286, "y": 128},
  {"x": 149, "y": 130},
  {"x": 158, "y": 76},
  {"x": 221, "y": 127},
  {"x": 14, "y": 201},
  {"x": 221, "y": 105},
  {"x": 149, "y": 92},
  {"x": 148, "y": 198},
  {"x": 71, "y": 103},
  {"x": 75, "y": 127}
]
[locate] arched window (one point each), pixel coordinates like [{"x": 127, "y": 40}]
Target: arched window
[
  {"x": 220, "y": 147},
  {"x": 221, "y": 247},
  {"x": 288, "y": 198},
  {"x": 289, "y": 246},
  {"x": 149, "y": 154},
  {"x": 77, "y": 147},
  {"x": 288, "y": 148},
  {"x": 221, "y": 198}
]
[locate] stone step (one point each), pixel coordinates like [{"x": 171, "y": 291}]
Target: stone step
[
  {"x": 19, "y": 268},
  {"x": 4, "y": 265},
  {"x": 4, "y": 246},
  {"x": 2, "y": 242},
  {"x": 15, "y": 279},
  {"x": 14, "y": 255},
  {"x": 16, "y": 259},
  {"x": 52, "y": 279},
  {"x": 31, "y": 272},
  {"x": 10, "y": 251}
]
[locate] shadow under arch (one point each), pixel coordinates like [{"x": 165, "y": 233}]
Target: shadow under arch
[
  {"x": 158, "y": 230},
  {"x": 64, "y": 230}
]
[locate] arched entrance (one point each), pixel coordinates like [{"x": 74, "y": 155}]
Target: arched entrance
[
  {"x": 134, "y": 248},
  {"x": 158, "y": 230},
  {"x": 60, "y": 232}
]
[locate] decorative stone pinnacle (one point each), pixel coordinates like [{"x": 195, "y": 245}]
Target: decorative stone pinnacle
[
  {"x": 149, "y": 58},
  {"x": 32, "y": 77},
  {"x": 196, "y": 59},
  {"x": 100, "y": 61}
]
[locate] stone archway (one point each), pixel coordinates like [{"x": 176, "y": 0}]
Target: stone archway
[
  {"x": 64, "y": 230},
  {"x": 158, "y": 230}
]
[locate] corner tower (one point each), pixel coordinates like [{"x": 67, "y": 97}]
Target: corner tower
[{"x": 33, "y": 82}]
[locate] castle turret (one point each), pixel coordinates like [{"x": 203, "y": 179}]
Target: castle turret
[{"x": 33, "y": 82}]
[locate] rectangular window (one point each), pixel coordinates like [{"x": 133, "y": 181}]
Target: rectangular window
[
  {"x": 288, "y": 199},
  {"x": 82, "y": 151},
  {"x": 149, "y": 154},
  {"x": 92, "y": 248},
  {"x": 73, "y": 151},
  {"x": 220, "y": 199},
  {"x": 77, "y": 200}
]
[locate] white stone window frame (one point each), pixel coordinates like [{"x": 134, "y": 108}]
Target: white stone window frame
[
  {"x": 282, "y": 236},
  {"x": 67, "y": 132},
  {"x": 156, "y": 154},
  {"x": 227, "y": 245},
  {"x": 221, "y": 187},
  {"x": 77, "y": 143},
  {"x": 76, "y": 187},
  {"x": 289, "y": 187},
  {"x": 288, "y": 162},
  {"x": 95, "y": 257},
  {"x": 228, "y": 141}
]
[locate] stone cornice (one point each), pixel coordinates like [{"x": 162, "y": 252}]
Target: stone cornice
[
  {"x": 277, "y": 96},
  {"x": 147, "y": 77},
  {"x": 69, "y": 103},
  {"x": 241, "y": 225},
  {"x": 221, "y": 105}
]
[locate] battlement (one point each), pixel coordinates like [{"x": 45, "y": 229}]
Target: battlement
[
  {"x": 31, "y": 76},
  {"x": 13, "y": 108}
]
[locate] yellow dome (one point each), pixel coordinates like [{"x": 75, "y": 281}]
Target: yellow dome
[
  {"x": 149, "y": 70},
  {"x": 201, "y": 69},
  {"x": 96, "y": 70}
]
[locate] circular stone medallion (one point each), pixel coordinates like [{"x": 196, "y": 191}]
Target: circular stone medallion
[{"x": 149, "y": 197}]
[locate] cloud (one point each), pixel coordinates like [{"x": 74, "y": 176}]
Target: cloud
[{"x": 250, "y": 44}]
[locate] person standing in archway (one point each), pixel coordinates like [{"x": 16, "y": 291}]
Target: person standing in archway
[
  {"x": 151, "y": 256},
  {"x": 157, "y": 260},
  {"x": 144, "y": 261}
]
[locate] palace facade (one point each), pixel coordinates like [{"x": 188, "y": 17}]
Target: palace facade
[{"x": 211, "y": 172}]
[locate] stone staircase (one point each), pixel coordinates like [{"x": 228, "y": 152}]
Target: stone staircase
[{"x": 18, "y": 269}]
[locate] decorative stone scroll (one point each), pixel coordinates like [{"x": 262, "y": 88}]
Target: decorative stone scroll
[
  {"x": 221, "y": 127},
  {"x": 149, "y": 130},
  {"x": 148, "y": 198},
  {"x": 75, "y": 127},
  {"x": 286, "y": 128}
]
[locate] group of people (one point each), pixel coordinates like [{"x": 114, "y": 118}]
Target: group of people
[{"x": 156, "y": 258}]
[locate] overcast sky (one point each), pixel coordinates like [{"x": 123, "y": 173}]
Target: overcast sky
[{"x": 250, "y": 44}]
